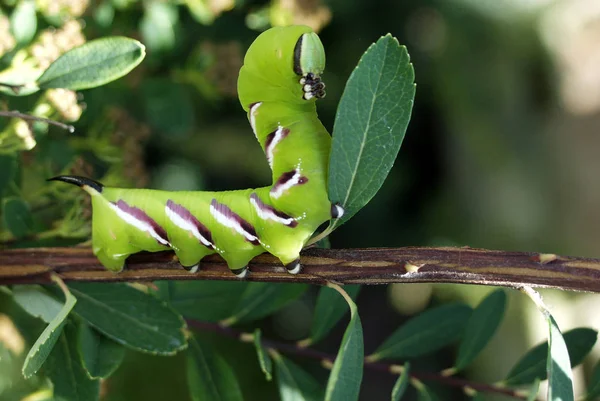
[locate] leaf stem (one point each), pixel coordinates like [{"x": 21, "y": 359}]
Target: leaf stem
[
  {"x": 29, "y": 117},
  {"x": 275, "y": 347}
]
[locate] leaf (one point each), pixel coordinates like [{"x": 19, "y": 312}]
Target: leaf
[
  {"x": 533, "y": 364},
  {"x": 65, "y": 370},
  {"x": 370, "y": 124},
  {"x": 8, "y": 166},
  {"x": 425, "y": 333},
  {"x": 262, "y": 299},
  {"x": 23, "y": 22},
  {"x": 17, "y": 217},
  {"x": 424, "y": 393},
  {"x": 346, "y": 375},
  {"x": 560, "y": 376},
  {"x": 482, "y": 325},
  {"x": 158, "y": 26},
  {"x": 130, "y": 317},
  {"x": 534, "y": 389},
  {"x": 402, "y": 383},
  {"x": 264, "y": 360},
  {"x": 43, "y": 346},
  {"x": 329, "y": 310},
  {"x": 37, "y": 302},
  {"x": 209, "y": 376},
  {"x": 100, "y": 355},
  {"x": 593, "y": 389},
  {"x": 294, "y": 383},
  {"x": 202, "y": 300},
  {"x": 93, "y": 64}
]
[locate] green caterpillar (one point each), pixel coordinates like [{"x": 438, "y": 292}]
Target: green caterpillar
[{"x": 277, "y": 86}]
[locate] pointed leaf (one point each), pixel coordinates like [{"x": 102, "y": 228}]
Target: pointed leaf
[
  {"x": 402, "y": 383},
  {"x": 370, "y": 124},
  {"x": 93, "y": 64},
  {"x": 17, "y": 216},
  {"x": 37, "y": 302},
  {"x": 425, "y": 333},
  {"x": 100, "y": 355},
  {"x": 533, "y": 364},
  {"x": 209, "y": 376},
  {"x": 560, "y": 376},
  {"x": 264, "y": 360},
  {"x": 482, "y": 325},
  {"x": 130, "y": 317},
  {"x": 329, "y": 310},
  {"x": 262, "y": 299},
  {"x": 65, "y": 370},
  {"x": 346, "y": 375},
  {"x": 43, "y": 346},
  {"x": 294, "y": 383},
  {"x": 209, "y": 301},
  {"x": 534, "y": 389},
  {"x": 424, "y": 393},
  {"x": 593, "y": 390}
]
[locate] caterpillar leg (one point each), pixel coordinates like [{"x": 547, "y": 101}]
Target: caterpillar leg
[
  {"x": 336, "y": 211},
  {"x": 114, "y": 263},
  {"x": 294, "y": 267}
]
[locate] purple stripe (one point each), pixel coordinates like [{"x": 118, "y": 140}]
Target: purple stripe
[
  {"x": 140, "y": 215},
  {"x": 231, "y": 215},
  {"x": 263, "y": 206},
  {"x": 186, "y": 215}
]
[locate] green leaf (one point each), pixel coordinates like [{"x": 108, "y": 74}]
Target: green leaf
[
  {"x": 370, "y": 124},
  {"x": 294, "y": 383},
  {"x": 17, "y": 216},
  {"x": 23, "y": 21},
  {"x": 262, "y": 299},
  {"x": 402, "y": 383},
  {"x": 158, "y": 26},
  {"x": 534, "y": 389},
  {"x": 533, "y": 364},
  {"x": 346, "y": 375},
  {"x": 425, "y": 333},
  {"x": 43, "y": 346},
  {"x": 100, "y": 355},
  {"x": 37, "y": 302},
  {"x": 130, "y": 317},
  {"x": 65, "y": 370},
  {"x": 209, "y": 376},
  {"x": 560, "y": 376},
  {"x": 264, "y": 360},
  {"x": 329, "y": 310},
  {"x": 210, "y": 301},
  {"x": 8, "y": 166},
  {"x": 424, "y": 393},
  {"x": 482, "y": 325},
  {"x": 93, "y": 64},
  {"x": 593, "y": 389}
]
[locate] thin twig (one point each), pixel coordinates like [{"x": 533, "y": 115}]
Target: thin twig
[
  {"x": 320, "y": 266},
  {"x": 29, "y": 117},
  {"x": 327, "y": 360}
]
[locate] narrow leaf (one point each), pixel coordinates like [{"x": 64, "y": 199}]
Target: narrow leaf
[
  {"x": 402, "y": 383},
  {"x": 23, "y": 21},
  {"x": 264, "y": 360},
  {"x": 593, "y": 390},
  {"x": 209, "y": 301},
  {"x": 533, "y": 364},
  {"x": 43, "y": 346},
  {"x": 93, "y": 64},
  {"x": 130, "y": 317},
  {"x": 294, "y": 383},
  {"x": 209, "y": 376},
  {"x": 100, "y": 355},
  {"x": 8, "y": 166},
  {"x": 534, "y": 389},
  {"x": 262, "y": 299},
  {"x": 37, "y": 302},
  {"x": 329, "y": 310},
  {"x": 17, "y": 216},
  {"x": 424, "y": 393},
  {"x": 425, "y": 333},
  {"x": 65, "y": 370},
  {"x": 346, "y": 375},
  {"x": 482, "y": 325},
  {"x": 370, "y": 124},
  {"x": 560, "y": 376}
]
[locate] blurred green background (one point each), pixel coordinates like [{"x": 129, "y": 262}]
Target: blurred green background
[{"x": 502, "y": 150}]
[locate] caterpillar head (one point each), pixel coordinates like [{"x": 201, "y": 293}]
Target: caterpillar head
[
  {"x": 283, "y": 65},
  {"x": 309, "y": 63}
]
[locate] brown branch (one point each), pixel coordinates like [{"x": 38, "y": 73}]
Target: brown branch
[
  {"x": 29, "y": 117},
  {"x": 328, "y": 359},
  {"x": 344, "y": 266}
]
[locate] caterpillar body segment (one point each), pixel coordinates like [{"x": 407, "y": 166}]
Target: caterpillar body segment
[{"x": 277, "y": 86}]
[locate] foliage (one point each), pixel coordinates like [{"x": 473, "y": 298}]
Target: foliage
[{"x": 81, "y": 333}]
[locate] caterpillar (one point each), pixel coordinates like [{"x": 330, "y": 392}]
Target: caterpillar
[{"x": 278, "y": 85}]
